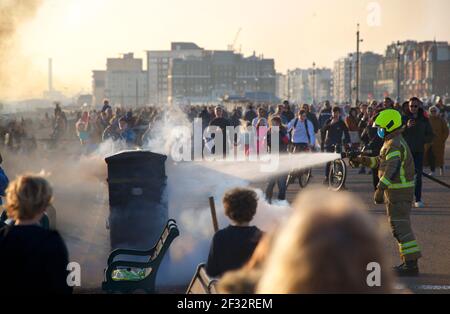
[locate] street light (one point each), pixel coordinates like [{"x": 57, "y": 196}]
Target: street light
[
  {"x": 358, "y": 41},
  {"x": 399, "y": 46},
  {"x": 314, "y": 84},
  {"x": 350, "y": 77}
]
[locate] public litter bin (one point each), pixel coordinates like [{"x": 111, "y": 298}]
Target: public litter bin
[{"x": 137, "y": 199}]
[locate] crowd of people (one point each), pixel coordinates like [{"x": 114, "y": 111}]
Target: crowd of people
[{"x": 294, "y": 258}]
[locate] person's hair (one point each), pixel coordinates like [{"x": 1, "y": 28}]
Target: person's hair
[
  {"x": 432, "y": 108},
  {"x": 1, "y": 159},
  {"x": 325, "y": 247},
  {"x": 415, "y": 99},
  {"x": 336, "y": 109},
  {"x": 240, "y": 204},
  {"x": 275, "y": 119},
  {"x": 27, "y": 197}
]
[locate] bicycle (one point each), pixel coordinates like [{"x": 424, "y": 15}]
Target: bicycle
[
  {"x": 338, "y": 172},
  {"x": 338, "y": 168},
  {"x": 303, "y": 176}
]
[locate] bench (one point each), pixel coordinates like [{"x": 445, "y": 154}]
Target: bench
[
  {"x": 145, "y": 262},
  {"x": 201, "y": 283}
]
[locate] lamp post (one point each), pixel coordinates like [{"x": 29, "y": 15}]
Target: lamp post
[
  {"x": 350, "y": 88},
  {"x": 314, "y": 84},
  {"x": 358, "y": 41},
  {"x": 399, "y": 45}
]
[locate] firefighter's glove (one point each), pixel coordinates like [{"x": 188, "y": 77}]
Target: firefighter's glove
[
  {"x": 378, "y": 197},
  {"x": 356, "y": 161}
]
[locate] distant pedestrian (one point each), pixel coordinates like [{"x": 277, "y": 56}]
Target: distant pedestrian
[
  {"x": 311, "y": 117},
  {"x": 418, "y": 132},
  {"x": 434, "y": 152}
]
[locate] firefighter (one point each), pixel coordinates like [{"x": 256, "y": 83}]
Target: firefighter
[{"x": 396, "y": 186}]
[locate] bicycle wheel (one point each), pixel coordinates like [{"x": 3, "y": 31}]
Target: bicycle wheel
[
  {"x": 304, "y": 178},
  {"x": 337, "y": 175}
]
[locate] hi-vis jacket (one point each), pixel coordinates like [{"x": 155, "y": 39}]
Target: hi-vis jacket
[{"x": 395, "y": 164}]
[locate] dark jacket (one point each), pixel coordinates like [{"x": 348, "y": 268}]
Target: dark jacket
[
  {"x": 250, "y": 114},
  {"x": 324, "y": 116},
  {"x": 33, "y": 261},
  {"x": 420, "y": 134},
  {"x": 332, "y": 134},
  {"x": 312, "y": 117},
  {"x": 371, "y": 140},
  {"x": 231, "y": 248},
  {"x": 287, "y": 116},
  {"x": 283, "y": 140},
  {"x": 206, "y": 118}
]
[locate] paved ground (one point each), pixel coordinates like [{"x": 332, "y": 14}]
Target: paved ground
[
  {"x": 431, "y": 225},
  {"x": 88, "y": 242}
]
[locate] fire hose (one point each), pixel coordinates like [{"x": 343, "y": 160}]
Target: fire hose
[
  {"x": 436, "y": 180},
  {"x": 354, "y": 153}
]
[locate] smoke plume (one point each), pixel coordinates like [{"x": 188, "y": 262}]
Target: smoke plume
[{"x": 15, "y": 76}]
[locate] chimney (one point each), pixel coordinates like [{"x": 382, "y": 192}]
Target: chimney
[{"x": 50, "y": 75}]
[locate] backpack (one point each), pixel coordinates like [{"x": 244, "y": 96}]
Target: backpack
[{"x": 291, "y": 132}]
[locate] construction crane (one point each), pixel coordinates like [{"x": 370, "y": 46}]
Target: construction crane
[{"x": 232, "y": 47}]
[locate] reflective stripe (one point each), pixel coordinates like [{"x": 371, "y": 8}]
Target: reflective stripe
[
  {"x": 393, "y": 155},
  {"x": 373, "y": 162},
  {"x": 398, "y": 186},
  {"x": 408, "y": 245},
  {"x": 411, "y": 251},
  {"x": 386, "y": 182}
]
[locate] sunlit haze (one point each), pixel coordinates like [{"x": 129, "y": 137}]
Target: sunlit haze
[{"x": 80, "y": 34}]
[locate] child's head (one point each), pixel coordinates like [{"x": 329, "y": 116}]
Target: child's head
[
  {"x": 240, "y": 205},
  {"x": 27, "y": 197}
]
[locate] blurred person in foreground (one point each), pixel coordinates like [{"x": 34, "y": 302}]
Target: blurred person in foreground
[
  {"x": 434, "y": 152},
  {"x": 325, "y": 247},
  {"x": 33, "y": 260},
  {"x": 233, "y": 246},
  {"x": 395, "y": 189},
  {"x": 4, "y": 181}
]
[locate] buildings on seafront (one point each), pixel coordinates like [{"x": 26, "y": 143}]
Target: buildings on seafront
[
  {"x": 217, "y": 74},
  {"x": 188, "y": 73},
  {"x": 123, "y": 82},
  {"x": 344, "y": 77},
  {"x": 313, "y": 85},
  {"x": 185, "y": 73},
  {"x": 414, "y": 68}
]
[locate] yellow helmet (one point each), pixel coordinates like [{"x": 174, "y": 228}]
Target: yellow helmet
[{"x": 389, "y": 119}]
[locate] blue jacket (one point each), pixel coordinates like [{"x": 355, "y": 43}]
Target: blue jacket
[
  {"x": 128, "y": 135},
  {"x": 4, "y": 181}
]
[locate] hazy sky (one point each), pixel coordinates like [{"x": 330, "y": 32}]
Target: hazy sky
[{"x": 81, "y": 34}]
